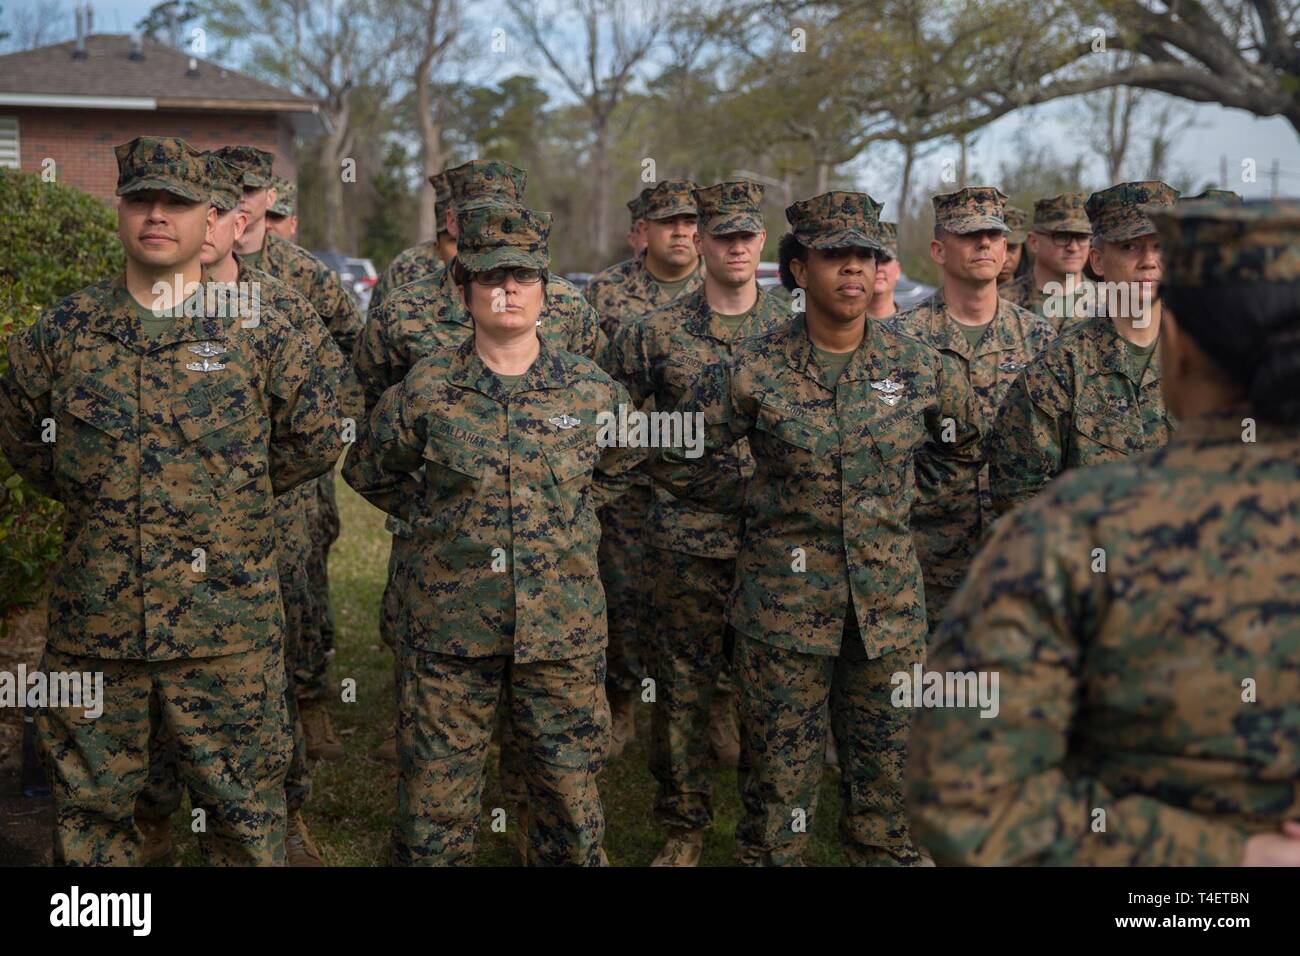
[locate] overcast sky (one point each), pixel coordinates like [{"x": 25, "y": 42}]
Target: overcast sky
[{"x": 1198, "y": 153}]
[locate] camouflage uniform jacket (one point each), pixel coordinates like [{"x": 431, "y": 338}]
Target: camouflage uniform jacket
[
  {"x": 318, "y": 284},
  {"x": 500, "y": 488},
  {"x": 1025, "y": 293},
  {"x": 627, "y": 290},
  {"x": 827, "y": 515},
  {"x": 990, "y": 366},
  {"x": 659, "y": 357},
  {"x": 1123, "y": 691},
  {"x": 1076, "y": 404},
  {"x": 153, "y": 458},
  {"x": 407, "y": 266}
]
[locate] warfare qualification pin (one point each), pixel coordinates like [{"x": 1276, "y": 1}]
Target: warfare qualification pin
[
  {"x": 204, "y": 366},
  {"x": 207, "y": 349},
  {"x": 564, "y": 421},
  {"x": 887, "y": 390},
  {"x": 1010, "y": 366}
]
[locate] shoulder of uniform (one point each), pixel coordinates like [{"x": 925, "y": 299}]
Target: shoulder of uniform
[
  {"x": 417, "y": 294},
  {"x": 79, "y": 307},
  {"x": 295, "y": 253}
]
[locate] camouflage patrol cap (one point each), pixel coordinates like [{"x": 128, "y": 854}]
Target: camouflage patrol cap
[
  {"x": 254, "y": 163},
  {"x": 730, "y": 207},
  {"x": 1063, "y": 213},
  {"x": 1208, "y": 243},
  {"x": 497, "y": 234},
  {"x": 972, "y": 209},
  {"x": 668, "y": 198},
  {"x": 1117, "y": 213},
  {"x": 889, "y": 238},
  {"x": 836, "y": 219},
  {"x": 484, "y": 181},
  {"x": 1212, "y": 195},
  {"x": 1017, "y": 220},
  {"x": 163, "y": 162},
  {"x": 441, "y": 198},
  {"x": 636, "y": 205},
  {"x": 286, "y": 197},
  {"x": 226, "y": 182}
]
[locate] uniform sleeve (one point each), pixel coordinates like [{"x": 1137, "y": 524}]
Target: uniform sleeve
[
  {"x": 1026, "y": 447},
  {"x": 370, "y": 359},
  {"x": 945, "y": 517},
  {"x": 387, "y": 453},
  {"x": 327, "y": 353},
  {"x": 588, "y": 338},
  {"x": 338, "y": 311},
  {"x": 612, "y": 476},
  {"x": 703, "y": 475},
  {"x": 627, "y": 361},
  {"x": 305, "y": 415},
  {"x": 25, "y": 404},
  {"x": 1001, "y": 789}
]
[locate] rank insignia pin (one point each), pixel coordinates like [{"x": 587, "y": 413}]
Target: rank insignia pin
[{"x": 564, "y": 421}]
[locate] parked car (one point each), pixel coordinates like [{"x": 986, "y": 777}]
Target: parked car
[
  {"x": 580, "y": 279},
  {"x": 357, "y": 275}
]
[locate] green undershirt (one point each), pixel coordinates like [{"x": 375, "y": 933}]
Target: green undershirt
[
  {"x": 509, "y": 381},
  {"x": 674, "y": 288},
  {"x": 973, "y": 333},
  {"x": 1139, "y": 358},
  {"x": 253, "y": 259},
  {"x": 734, "y": 322},
  {"x": 832, "y": 365}
]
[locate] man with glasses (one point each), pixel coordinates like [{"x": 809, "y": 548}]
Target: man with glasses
[
  {"x": 1094, "y": 394},
  {"x": 1058, "y": 241},
  {"x": 990, "y": 339},
  {"x": 491, "y": 451}
]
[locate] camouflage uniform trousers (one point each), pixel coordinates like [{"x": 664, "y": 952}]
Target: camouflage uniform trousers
[
  {"x": 689, "y": 649},
  {"x": 621, "y": 556},
  {"x": 227, "y": 717},
  {"x": 447, "y": 708},
  {"x": 318, "y": 639},
  {"x": 783, "y": 706},
  {"x": 164, "y": 789}
]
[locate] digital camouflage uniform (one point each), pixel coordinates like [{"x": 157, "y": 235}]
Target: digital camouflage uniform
[
  {"x": 1064, "y": 213},
  {"x": 1081, "y": 402},
  {"x": 503, "y": 601},
  {"x": 1010, "y": 340},
  {"x": 1125, "y": 734},
  {"x": 693, "y": 549},
  {"x": 286, "y": 197},
  {"x": 621, "y": 294},
  {"x": 422, "y": 258},
  {"x": 293, "y": 512},
  {"x": 166, "y": 456},
  {"x": 828, "y": 600}
]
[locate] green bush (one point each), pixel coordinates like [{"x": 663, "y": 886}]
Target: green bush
[{"x": 54, "y": 240}]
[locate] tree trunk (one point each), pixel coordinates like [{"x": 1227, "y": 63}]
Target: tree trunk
[
  {"x": 601, "y": 186},
  {"x": 331, "y": 159},
  {"x": 905, "y": 189},
  {"x": 431, "y": 148},
  {"x": 823, "y": 176}
]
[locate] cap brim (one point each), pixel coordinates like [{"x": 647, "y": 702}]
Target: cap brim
[
  {"x": 681, "y": 209},
  {"x": 256, "y": 181},
  {"x": 503, "y": 257},
  {"x": 1130, "y": 230},
  {"x": 976, "y": 224},
  {"x": 226, "y": 205},
  {"x": 842, "y": 239},
  {"x": 173, "y": 186},
  {"x": 729, "y": 225},
  {"x": 1064, "y": 225}
]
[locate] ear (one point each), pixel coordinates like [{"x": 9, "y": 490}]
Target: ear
[
  {"x": 698, "y": 238},
  {"x": 936, "y": 252},
  {"x": 212, "y": 216},
  {"x": 1031, "y": 242},
  {"x": 241, "y": 223},
  {"x": 272, "y": 194},
  {"x": 799, "y": 269},
  {"x": 1094, "y": 259}
]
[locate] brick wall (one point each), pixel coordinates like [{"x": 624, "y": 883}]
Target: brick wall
[{"x": 81, "y": 141}]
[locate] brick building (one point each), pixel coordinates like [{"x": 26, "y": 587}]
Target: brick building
[{"x": 72, "y": 103}]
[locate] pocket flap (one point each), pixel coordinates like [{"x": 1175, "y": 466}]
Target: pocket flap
[
  {"x": 99, "y": 407},
  {"x": 203, "y": 411},
  {"x": 779, "y": 423},
  {"x": 442, "y": 452}
]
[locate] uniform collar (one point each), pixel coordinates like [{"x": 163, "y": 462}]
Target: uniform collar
[
  {"x": 867, "y": 363},
  {"x": 1113, "y": 353},
  {"x": 945, "y": 333},
  {"x": 1224, "y": 427},
  {"x": 122, "y": 322},
  {"x": 468, "y": 371},
  {"x": 703, "y": 322}
]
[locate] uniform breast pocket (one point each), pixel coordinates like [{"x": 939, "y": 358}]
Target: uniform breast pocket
[
  {"x": 571, "y": 471},
  {"x": 898, "y": 436},
  {"x": 791, "y": 442},
  {"x": 93, "y": 429},
  {"x": 454, "y": 475},
  {"x": 225, "y": 431},
  {"x": 1103, "y": 435}
]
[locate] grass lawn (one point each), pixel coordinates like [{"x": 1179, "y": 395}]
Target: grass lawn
[{"x": 354, "y": 800}]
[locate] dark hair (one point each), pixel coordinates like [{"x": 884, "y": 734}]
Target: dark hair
[
  {"x": 788, "y": 250},
  {"x": 1251, "y": 331}
]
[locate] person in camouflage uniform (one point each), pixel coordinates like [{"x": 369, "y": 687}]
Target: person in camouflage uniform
[
  {"x": 171, "y": 436},
  {"x": 843, "y": 416},
  {"x": 320, "y": 286},
  {"x": 491, "y": 451},
  {"x": 691, "y": 550},
  {"x": 161, "y": 798},
  {"x": 1094, "y": 394},
  {"x": 636, "y": 228},
  {"x": 667, "y": 269},
  {"x": 1149, "y": 712},
  {"x": 888, "y": 271},
  {"x": 431, "y": 256},
  {"x": 990, "y": 339},
  {"x": 1058, "y": 242},
  {"x": 1015, "y": 219},
  {"x": 282, "y": 215}
]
